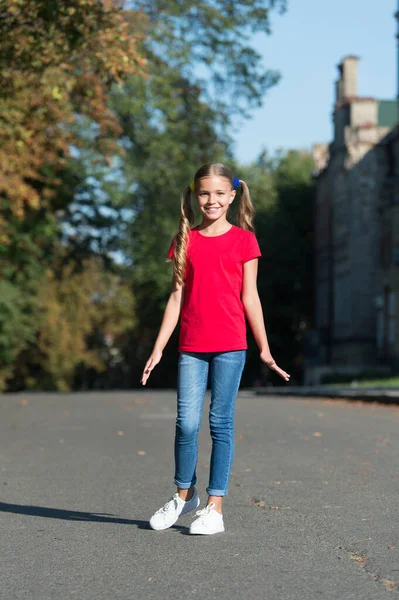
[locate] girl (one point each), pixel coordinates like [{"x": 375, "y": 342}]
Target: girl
[{"x": 214, "y": 288}]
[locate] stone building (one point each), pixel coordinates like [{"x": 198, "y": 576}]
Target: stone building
[{"x": 356, "y": 224}]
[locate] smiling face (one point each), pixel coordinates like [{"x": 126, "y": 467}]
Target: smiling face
[{"x": 214, "y": 195}]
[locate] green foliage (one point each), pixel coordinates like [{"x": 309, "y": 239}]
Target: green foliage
[
  {"x": 85, "y": 315},
  {"x": 209, "y": 43},
  {"x": 59, "y": 60},
  {"x": 202, "y": 72},
  {"x": 161, "y": 158},
  {"x": 17, "y": 327},
  {"x": 22, "y": 265},
  {"x": 98, "y": 172},
  {"x": 284, "y": 227}
]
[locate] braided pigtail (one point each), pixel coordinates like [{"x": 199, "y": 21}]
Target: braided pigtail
[
  {"x": 181, "y": 240},
  {"x": 245, "y": 211}
]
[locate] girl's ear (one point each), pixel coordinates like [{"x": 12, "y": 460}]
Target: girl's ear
[{"x": 233, "y": 195}]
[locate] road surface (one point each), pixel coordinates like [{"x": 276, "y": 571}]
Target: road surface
[{"x": 312, "y": 511}]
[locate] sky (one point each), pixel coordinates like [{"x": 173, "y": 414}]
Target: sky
[{"x": 306, "y": 45}]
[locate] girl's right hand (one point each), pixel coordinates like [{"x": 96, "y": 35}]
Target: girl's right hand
[{"x": 150, "y": 364}]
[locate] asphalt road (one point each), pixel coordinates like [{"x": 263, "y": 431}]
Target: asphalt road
[{"x": 312, "y": 511}]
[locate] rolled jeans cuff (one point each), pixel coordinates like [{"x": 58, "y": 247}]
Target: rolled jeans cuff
[
  {"x": 212, "y": 492},
  {"x": 185, "y": 486}
]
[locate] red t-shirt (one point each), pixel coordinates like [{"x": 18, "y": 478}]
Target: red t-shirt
[{"x": 212, "y": 316}]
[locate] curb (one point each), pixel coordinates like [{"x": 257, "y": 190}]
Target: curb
[{"x": 382, "y": 395}]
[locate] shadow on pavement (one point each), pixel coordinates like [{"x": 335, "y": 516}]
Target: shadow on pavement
[{"x": 73, "y": 515}]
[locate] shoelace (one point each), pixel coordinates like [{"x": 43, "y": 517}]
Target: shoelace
[
  {"x": 168, "y": 505},
  {"x": 205, "y": 511}
]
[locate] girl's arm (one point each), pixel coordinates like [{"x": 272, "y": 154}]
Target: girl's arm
[
  {"x": 254, "y": 314},
  {"x": 169, "y": 322}
]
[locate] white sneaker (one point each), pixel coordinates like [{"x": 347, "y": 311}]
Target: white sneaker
[
  {"x": 209, "y": 521},
  {"x": 167, "y": 515}
]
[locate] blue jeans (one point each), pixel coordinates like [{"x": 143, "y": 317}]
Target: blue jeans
[{"x": 225, "y": 375}]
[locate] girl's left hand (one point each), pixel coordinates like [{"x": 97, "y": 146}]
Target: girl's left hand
[
  {"x": 150, "y": 364},
  {"x": 267, "y": 358}
]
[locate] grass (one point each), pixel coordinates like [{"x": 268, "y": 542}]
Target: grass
[{"x": 387, "y": 382}]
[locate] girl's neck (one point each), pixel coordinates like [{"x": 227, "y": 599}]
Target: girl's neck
[{"x": 214, "y": 228}]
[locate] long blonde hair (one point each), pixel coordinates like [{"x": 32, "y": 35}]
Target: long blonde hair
[{"x": 245, "y": 213}]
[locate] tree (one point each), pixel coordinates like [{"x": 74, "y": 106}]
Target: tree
[
  {"x": 23, "y": 259},
  {"x": 284, "y": 227},
  {"x": 202, "y": 73},
  {"x": 105, "y": 152},
  {"x": 213, "y": 38},
  {"x": 60, "y": 60},
  {"x": 159, "y": 163},
  {"x": 84, "y": 318}
]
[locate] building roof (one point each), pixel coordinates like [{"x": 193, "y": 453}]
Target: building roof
[
  {"x": 388, "y": 113},
  {"x": 351, "y": 56}
]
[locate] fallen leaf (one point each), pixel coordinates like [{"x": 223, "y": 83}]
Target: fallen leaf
[
  {"x": 121, "y": 433},
  {"x": 317, "y": 434},
  {"x": 275, "y": 507},
  {"x": 141, "y": 452},
  {"x": 257, "y": 502},
  {"x": 24, "y": 402},
  {"x": 361, "y": 560},
  {"x": 391, "y": 547},
  {"x": 389, "y": 583},
  {"x": 5, "y": 482},
  {"x": 277, "y": 482},
  {"x": 149, "y": 579}
]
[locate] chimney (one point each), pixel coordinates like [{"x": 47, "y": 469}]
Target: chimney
[{"x": 346, "y": 86}]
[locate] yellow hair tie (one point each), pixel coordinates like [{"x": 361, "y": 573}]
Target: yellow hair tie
[{"x": 192, "y": 186}]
